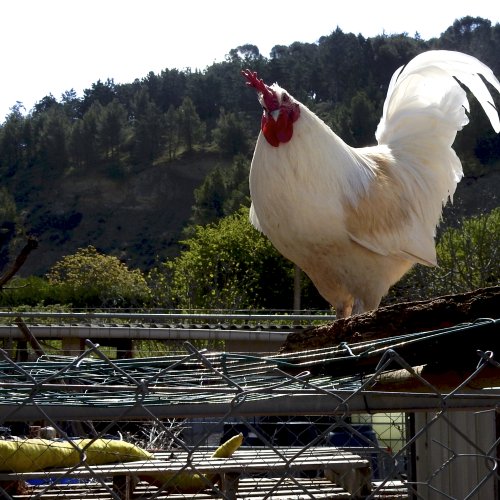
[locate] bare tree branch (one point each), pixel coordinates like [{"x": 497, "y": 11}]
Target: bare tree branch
[{"x": 31, "y": 245}]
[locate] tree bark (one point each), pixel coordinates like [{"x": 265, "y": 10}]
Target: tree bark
[
  {"x": 447, "y": 338},
  {"x": 400, "y": 319}
]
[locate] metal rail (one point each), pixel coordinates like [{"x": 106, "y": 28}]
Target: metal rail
[
  {"x": 249, "y": 331},
  {"x": 246, "y": 338},
  {"x": 165, "y": 317}
]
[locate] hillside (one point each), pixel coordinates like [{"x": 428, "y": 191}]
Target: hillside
[
  {"x": 135, "y": 219},
  {"x": 142, "y": 218}
]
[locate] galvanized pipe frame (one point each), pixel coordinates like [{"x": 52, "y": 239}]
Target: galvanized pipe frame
[
  {"x": 249, "y": 331},
  {"x": 279, "y": 405},
  {"x": 145, "y": 333},
  {"x": 165, "y": 317}
]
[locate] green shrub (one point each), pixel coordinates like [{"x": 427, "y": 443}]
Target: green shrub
[
  {"x": 90, "y": 278},
  {"x": 468, "y": 258}
]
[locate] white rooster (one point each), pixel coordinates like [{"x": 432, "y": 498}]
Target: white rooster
[{"x": 357, "y": 219}]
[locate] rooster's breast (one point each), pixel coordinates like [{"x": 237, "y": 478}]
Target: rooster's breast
[{"x": 294, "y": 204}]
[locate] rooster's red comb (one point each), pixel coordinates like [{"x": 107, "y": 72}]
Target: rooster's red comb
[{"x": 268, "y": 95}]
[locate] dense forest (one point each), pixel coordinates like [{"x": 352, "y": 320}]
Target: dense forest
[{"x": 129, "y": 167}]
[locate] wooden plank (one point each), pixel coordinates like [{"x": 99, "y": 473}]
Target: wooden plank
[
  {"x": 242, "y": 461},
  {"x": 350, "y": 473},
  {"x": 288, "y": 489},
  {"x": 249, "y": 489}
]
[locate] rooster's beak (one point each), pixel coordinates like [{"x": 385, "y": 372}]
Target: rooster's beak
[{"x": 274, "y": 114}]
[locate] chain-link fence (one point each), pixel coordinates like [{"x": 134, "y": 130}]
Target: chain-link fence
[{"x": 93, "y": 427}]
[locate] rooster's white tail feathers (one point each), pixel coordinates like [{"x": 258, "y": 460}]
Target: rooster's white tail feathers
[
  {"x": 411, "y": 89},
  {"x": 424, "y": 109}
]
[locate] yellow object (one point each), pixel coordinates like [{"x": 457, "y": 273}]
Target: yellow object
[
  {"x": 189, "y": 482},
  {"x": 30, "y": 455},
  {"x": 225, "y": 450}
]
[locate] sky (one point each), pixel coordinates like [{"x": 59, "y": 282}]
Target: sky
[{"x": 51, "y": 46}]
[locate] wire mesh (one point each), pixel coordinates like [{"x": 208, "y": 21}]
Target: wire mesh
[{"x": 305, "y": 434}]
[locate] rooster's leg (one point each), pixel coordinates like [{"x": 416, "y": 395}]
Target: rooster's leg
[{"x": 344, "y": 309}]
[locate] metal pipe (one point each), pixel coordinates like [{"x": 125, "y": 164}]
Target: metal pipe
[{"x": 249, "y": 316}]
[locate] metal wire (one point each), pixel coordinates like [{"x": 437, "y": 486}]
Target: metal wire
[{"x": 258, "y": 391}]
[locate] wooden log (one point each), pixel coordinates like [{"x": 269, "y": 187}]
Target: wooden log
[
  {"x": 442, "y": 380},
  {"x": 400, "y": 319}
]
